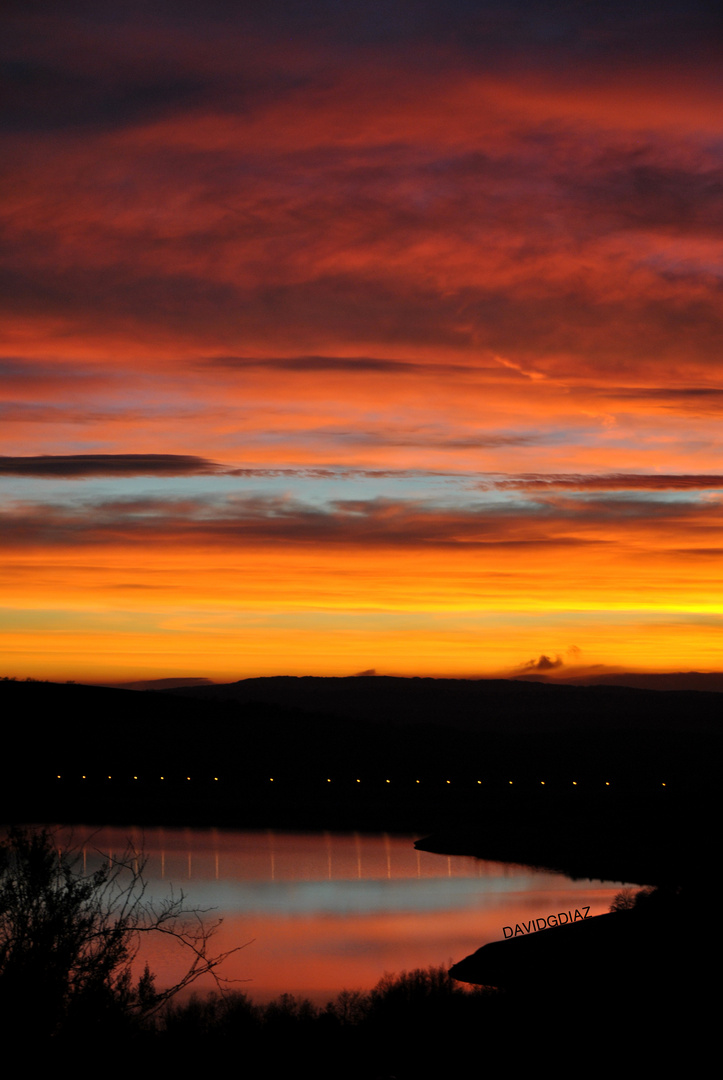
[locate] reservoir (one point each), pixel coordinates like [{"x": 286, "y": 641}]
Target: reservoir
[{"x": 323, "y": 912}]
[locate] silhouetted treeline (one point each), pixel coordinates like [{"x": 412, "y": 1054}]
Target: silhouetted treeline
[{"x": 421, "y": 1024}]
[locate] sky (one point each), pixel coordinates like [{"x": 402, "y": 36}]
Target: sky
[{"x": 361, "y": 336}]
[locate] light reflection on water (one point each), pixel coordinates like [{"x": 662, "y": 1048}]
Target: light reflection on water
[{"x": 324, "y": 912}]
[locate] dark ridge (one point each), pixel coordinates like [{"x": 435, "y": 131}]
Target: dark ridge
[
  {"x": 160, "y": 684},
  {"x": 707, "y": 681},
  {"x": 500, "y": 705}
]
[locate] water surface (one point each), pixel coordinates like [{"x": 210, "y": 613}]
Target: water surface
[{"x": 323, "y": 912}]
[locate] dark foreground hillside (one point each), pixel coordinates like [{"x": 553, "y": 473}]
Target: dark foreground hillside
[
  {"x": 598, "y": 781},
  {"x": 419, "y": 1025}
]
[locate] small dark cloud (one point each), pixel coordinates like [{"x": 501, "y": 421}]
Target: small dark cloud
[
  {"x": 429, "y": 437},
  {"x": 542, "y": 664},
  {"x": 692, "y": 400},
  {"x": 364, "y": 674},
  {"x": 14, "y": 369},
  {"x": 613, "y": 482},
  {"x": 649, "y": 195},
  {"x": 64, "y": 466},
  {"x": 701, "y": 552},
  {"x": 40, "y": 97},
  {"x": 330, "y": 473},
  {"x": 21, "y": 412},
  {"x": 348, "y": 364}
]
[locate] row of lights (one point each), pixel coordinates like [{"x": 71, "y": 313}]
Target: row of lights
[
  {"x": 329, "y": 781},
  {"x": 59, "y": 776}
]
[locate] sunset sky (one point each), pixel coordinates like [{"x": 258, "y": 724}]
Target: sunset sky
[{"x": 342, "y": 336}]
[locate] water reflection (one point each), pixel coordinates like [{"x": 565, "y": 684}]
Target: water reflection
[{"x": 329, "y": 911}]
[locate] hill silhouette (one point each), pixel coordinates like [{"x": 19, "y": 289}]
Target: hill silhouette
[
  {"x": 708, "y": 681},
  {"x": 504, "y": 705}
]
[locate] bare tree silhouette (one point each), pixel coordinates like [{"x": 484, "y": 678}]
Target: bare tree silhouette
[{"x": 69, "y": 940}]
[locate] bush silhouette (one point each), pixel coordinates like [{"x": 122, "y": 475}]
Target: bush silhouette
[{"x": 68, "y": 940}]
